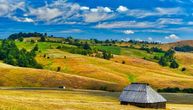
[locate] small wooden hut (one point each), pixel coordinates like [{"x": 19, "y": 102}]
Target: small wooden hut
[{"x": 142, "y": 95}]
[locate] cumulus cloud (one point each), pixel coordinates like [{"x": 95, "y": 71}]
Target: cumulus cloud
[
  {"x": 101, "y": 9},
  {"x": 172, "y": 37},
  {"x": 27, "y": 20},
  {"x": 98, "y": 14},
  {"x": 128, "y": 32},
  {"x": 122, "y": 9},
  {"x": 84, "y": 8}
]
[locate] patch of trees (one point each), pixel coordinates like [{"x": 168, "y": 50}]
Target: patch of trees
[
  {"x": 176, "y": 90},
  {"x": 142, "y": 42},
  {"x": 85, "y": 49},
  {"x": 152, "y": 49},
  {"x": 168, "y": 59},
  {"x": 184, "y": 48},
  {"x": 10, "y": 54},
  {"x": 25, "y": 35}
]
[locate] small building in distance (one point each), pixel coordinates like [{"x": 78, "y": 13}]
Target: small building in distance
[{"x": 142, "y": 95}]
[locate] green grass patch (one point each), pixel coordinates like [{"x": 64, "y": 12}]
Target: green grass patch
[
  {"x": 139, "y": 53},
  {"x": 113, "y": 49}
]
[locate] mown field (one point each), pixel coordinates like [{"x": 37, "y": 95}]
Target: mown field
[{"x": 78, "y": 100}]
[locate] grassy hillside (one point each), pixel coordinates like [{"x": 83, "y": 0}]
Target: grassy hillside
[
  {"x": 135, "y": 69},
  {"x": 87, "y": 72},
  {"x": 77, "y": 100},
  {"x": 27, "y": 77},
  {"x": 178, "y": 43}
]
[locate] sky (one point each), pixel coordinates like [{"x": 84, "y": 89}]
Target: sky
[{"x": 149, "y": 20}]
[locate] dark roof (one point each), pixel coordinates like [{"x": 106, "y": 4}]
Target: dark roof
[{"x": 140, "y": 93}]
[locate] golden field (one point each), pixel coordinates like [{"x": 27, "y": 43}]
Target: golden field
[
  {"x": 77, "y": 100},
  {"x": 135, "y": 69}
]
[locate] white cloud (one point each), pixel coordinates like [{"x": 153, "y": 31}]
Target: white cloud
[
  {"x": 7, "y": 8},
  {"x": 71, "y": 31},
  {"x": 139, "y": 13},
  {"x": 169, "y": 11},
  {"x": 169, "y": 21},
  {"x": 154, "y": 31},
  {"x": 190, "y": 23},
  {"x": 96, "y": 17},
  {"x": 84, "y": 8},
  {"x": 126, "y": 39},
  {"x": 150, "y": 39},
  {"x": 101, "y": 9},
  {"x": 122, "y": 9},
  {"x": 28, "y": 20},
  {"x": 128, "y": 24},
  {"x": 45, "y": 13},
  {"x": 128, "y": 32},
  {"x": 172, "y": 37},
  {"x": 107, "y": 9}
]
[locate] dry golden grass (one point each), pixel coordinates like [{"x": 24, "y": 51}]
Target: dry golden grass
[
  {"x": 135, "y": 69},
  {"x": 68, "y": 100},
  {"x": 27, "y": 77}
]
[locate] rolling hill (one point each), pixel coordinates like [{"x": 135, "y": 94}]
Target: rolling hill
[
  {"x": 178, "y": 43},
  {"x": 80, "y": 71}
]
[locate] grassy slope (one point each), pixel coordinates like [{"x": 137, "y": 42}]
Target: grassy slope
[
  {"x": 76, "y": 100},
  {"x": 27, "y": 77},
  {"x": 92, "y": 70}
]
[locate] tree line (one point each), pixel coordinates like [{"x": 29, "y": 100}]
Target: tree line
[
  {"x": 184, "y": 48},
  {"x": 176, "y": 90},
  {"x": 10, "y": 54}
]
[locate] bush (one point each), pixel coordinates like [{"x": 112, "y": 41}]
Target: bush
[
  {"x": 183, "y": 69},
  {"x": 58, "y": 69},
  {"x": 174, "y": 64}
]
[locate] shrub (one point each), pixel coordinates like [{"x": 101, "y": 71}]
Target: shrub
[
  {"x": 58, "y": 69},
  {"x": 183, "y": 69},
  {"x": 174, "y": 64}
]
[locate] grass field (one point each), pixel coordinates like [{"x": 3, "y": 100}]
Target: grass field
[
  {"x": 113, "y": 49},
  {"x": 113, "y": 72},
  {"x": 77, "y": 100}
]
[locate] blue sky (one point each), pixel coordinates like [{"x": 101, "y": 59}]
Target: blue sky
[{"x": 151, "y": 20}]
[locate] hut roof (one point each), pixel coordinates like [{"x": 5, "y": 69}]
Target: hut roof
[{"x": 140, "y": 93}]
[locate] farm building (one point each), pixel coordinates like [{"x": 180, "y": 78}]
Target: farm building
[{"x": 142, "y": 95}]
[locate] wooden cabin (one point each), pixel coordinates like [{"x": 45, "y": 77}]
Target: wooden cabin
[{"x": 142, "y": 95}]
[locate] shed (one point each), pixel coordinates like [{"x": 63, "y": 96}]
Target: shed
[{"x": 142, "y": 95}]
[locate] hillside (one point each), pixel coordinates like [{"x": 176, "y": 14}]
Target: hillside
[
  {"x": 60, "y": 67},
  {"x": 178, "y": 43},
  {"x": 135, "y": 69},
  {"x": 27, "y": 77}
]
